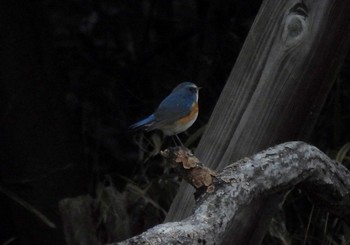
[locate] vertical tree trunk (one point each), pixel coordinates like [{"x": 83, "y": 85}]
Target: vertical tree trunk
[
  {"x": 274, "y": 94},
  {"x": 39, "y": 160}
]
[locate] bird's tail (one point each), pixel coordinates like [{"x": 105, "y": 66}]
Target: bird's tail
[{"x": 143, "y": 123}]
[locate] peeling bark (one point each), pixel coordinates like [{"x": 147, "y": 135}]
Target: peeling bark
[
  {"x": 189, "y": 168},
  {"x": 270, "y": 172}
]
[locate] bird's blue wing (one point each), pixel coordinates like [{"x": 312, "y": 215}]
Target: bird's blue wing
[
  {"x": 143, "y": 123},
  {"x": 172, "y": 108}
]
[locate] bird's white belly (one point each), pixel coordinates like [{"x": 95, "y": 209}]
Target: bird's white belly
[{"x": 177, "y": 128}]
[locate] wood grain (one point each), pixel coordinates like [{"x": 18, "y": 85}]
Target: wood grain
[
  {"x": 277, "y": 87},
  {"x": 275, "y": 170}
]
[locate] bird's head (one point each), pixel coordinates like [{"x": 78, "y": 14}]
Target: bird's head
[{"x": 188, "y": 88}]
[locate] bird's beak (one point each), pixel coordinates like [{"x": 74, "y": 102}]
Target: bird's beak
[{"x": 199, "y": 88}]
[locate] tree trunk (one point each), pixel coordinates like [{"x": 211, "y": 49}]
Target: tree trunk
[
  {"x": 274, "y": 94},
  {"x": 272, "y": 172}
]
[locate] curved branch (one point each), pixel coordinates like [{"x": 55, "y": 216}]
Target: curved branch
[{"x": 276, "y": 169}]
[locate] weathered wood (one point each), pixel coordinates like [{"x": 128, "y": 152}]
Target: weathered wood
[
  {"x": 78, "y": 224},
  {"x": 95, "y": 221},
  {"x": 275, "y": 91},
  {"x": 275, "y": 170}
]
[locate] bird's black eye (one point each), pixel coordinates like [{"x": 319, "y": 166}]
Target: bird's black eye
[{"x": 192, "y": 89}]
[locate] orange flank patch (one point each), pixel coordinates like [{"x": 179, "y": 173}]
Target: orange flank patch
[{"x": 189, "y": 117}]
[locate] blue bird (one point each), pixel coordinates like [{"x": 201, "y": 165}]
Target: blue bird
[{"x": 177, "y": 112}]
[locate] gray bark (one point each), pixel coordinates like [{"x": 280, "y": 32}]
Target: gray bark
[
  {"x": 271, "y": 172},
  {"x": 274, "y": 94}
]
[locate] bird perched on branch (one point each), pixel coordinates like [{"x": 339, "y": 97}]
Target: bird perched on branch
[{"x": 177, "y": 112}]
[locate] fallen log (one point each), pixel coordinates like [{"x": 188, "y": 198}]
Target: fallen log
[{"x": 273, "y": 171}]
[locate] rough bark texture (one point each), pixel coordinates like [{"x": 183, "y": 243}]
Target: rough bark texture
[
  {"x": 270, "y": 172},
  {"x": 274, "y": 94}
]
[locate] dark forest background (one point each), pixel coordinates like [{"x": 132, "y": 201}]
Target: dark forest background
[{"x": 75, "y": 74}]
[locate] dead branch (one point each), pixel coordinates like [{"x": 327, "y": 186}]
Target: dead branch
[
  {"x": 189, "y": 168},
  {"x": 277, "y": 169}
]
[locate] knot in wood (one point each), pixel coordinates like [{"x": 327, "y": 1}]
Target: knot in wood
[{"x": 295, "y": 25}]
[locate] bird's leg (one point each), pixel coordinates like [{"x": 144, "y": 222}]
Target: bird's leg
[
  {"x": 178, "y": 139},
  {"x": 174, "y": 141}
]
